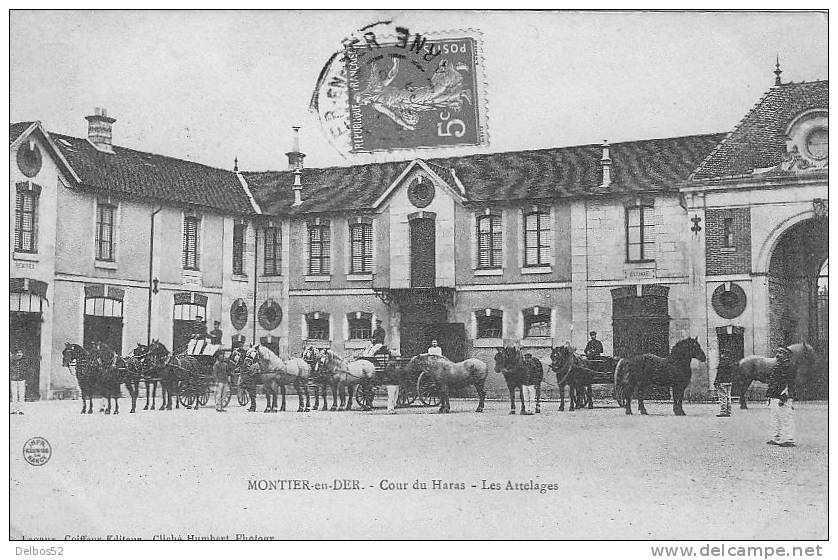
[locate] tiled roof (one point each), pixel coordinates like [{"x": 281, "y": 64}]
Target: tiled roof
[
  {"x": 16, "y": 129},
  {"x": 535, "y": 174},
  {"x": 758, "y": 141},
  {"x": 150, "y": 176}
]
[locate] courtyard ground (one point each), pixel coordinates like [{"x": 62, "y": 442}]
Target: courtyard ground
[{"x": 188, "y": 472}]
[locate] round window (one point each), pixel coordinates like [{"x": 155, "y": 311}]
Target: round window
[
  {"x": 729, "y": 303},
  {"x": 29, "y": 159},
  {"x": 817, "y": 143},
  {"x": 420, "y": 192},
  {"x": 270, "y": 315},
  {"x": 238, "y": 314}
]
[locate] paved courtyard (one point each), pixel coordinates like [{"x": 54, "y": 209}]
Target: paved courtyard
[{"x": 203, "y": 473}]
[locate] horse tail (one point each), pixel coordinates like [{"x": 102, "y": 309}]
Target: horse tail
[{"x": 618, "y": 374}]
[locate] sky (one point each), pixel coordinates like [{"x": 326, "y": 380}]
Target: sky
[{"x": 209, "y": 86}]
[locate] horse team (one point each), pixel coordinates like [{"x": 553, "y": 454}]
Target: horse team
[{"x": 99, "y": 369}]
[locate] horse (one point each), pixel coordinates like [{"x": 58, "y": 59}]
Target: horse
[
  {"x": 634, "y": 375},
  {"x": 518, "y": 368},
  {"x": 87, "y": 372},
  {"x": 113, "y": 372},
  {"x": 344, "y": 375},
  {"x": 757, "y": 368},
  {"x": 446, "y": 375},
  {"x": 310, "y": 355},
  {"x": 275, "y": 374},
  {"x": 571, "y": 370},
  {"x": 147, "y": 376},
  {"x": 173, "y": 369}
]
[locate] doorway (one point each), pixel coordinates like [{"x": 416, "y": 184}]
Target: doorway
[{"x": 25, "y": 333}]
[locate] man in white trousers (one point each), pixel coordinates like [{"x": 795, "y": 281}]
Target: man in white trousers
[
  {"x": 392, "y": 380},
  {"x": 781, "y": 395}
]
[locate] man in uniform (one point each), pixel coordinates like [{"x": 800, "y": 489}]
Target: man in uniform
[
  {"x": 17, "y": 381},
  {"x": 377, "y": 341},
  {"x": 199, "y": 335},
  {"x": 216, "y": 335},
  {"x": 594, "y": 347}
]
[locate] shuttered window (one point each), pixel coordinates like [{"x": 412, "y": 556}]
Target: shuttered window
[
  {"x": 537, "y": 238},
  {"x": 191, "y": 227},
  {"x": 640, "y": 233},
  {"x": 360, "y": 236},
  {"x": 26, "y": 205},
  {"x": 238, "y": 248},
  {"x": 489, "y": 242},
  {"x": 105, "y": 232},
  {"x": 318, "y": 249},
  {"x": 273, "y": 242}
]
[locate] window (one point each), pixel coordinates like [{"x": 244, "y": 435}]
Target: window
[
  {"x": 489, "y": 242},
  {"x": 26, "y": 206},
  {"x": 489, "y": 323},
  {"x": 318, "y": 326},
  {"x": 238, "y": 248},
  {"x": 104, "y": 232},
  {"x": 360, "y": 236},
  {"x": 191, "y": 226},
  {"x": 728, "y": 232},
  {"x": 537, "y": 322},
  {"x": 640, "y": 233},
  {"x": 273, "y": 251},
  {"x": 360, "y": 326},
  {"x": 817, "y": 144},
  {"x": 318, "y": 249},
  {"x": 537, "y": 238}
]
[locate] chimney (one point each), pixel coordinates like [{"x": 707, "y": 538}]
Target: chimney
[
  {"x": 606, "y": 164},
  {"x": 295, "y": 156},
  {"x": 99, "y": 129},
  {"x": 298, "y": 187}
]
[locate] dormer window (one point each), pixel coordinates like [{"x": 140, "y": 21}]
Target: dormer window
[{"x": 817, "y": 143}]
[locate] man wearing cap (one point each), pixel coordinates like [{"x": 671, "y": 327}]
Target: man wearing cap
[
  {"x": 377, "y": 340},
  {"x": 216, "y": 334},
  {"x": 594, "y": 347}
]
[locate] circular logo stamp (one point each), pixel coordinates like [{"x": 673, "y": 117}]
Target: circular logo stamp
[{"x": 37, "y": 451}]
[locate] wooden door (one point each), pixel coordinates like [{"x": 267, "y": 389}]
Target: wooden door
[{"x": 422, "y": 253}]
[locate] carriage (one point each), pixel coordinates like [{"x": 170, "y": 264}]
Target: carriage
[
  {"x": 604, "y": 366},
  {"x": 198, "y": 385},
  {"x": 416, "y": 387}
]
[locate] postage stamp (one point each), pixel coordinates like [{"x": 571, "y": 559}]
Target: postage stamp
[{"x": 410, "y": 92}]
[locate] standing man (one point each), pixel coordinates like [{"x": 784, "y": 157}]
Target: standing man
[
  {"x": 435, "y": 349},
  {"x": 724, "y": 382},
  {"x": 17, "y": 381},
  {"x": 220, "y": 370},
  {"x": 594, "y": 347},
  {"x": 528, "y": 389},
  {"x": 392, "y": 379},
  {"x": 781, "y": 394},
  {"x": 216, "y": 335}
]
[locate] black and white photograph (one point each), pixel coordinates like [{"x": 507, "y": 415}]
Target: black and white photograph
[{"x": 426, "y": 275}]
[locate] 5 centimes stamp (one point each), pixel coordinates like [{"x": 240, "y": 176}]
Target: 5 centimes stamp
[
  {"x": 413, "y": 94},
  {"x": 390, "y": 89},
  {"x": 37, "y": 451}
]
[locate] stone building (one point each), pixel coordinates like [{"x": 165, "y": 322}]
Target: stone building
[{"x": 719, "y": 236}]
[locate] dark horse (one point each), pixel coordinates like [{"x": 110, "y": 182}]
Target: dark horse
[
  {"x": 446, "y": 375},
  {"x": 113, "y": 372},
  {"x": 310, "y": 355},
  {"x": 571, "y": 370},
  {"x": 87, "y": 372},
  {"x": 146, "y": 375},
  {"x": 518, "y": 368},
  {"x": 636, "y": 374},
  {"x": 173, "y": 369},
  {"x": 757, "y": 368}
]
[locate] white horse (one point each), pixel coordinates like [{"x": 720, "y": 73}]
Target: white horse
[
  {"x": 275, "y": 373},
  {"x": 342, "y": 374}
]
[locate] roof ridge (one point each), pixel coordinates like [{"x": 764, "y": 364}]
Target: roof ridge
[
  {"x": 436, "y": 160},
  {"x": 727, "y": 137}
]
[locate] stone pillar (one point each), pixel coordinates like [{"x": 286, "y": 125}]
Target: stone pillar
[{"x": 576, "y": 332}]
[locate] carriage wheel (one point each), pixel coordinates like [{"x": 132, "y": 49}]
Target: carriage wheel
[
  {"x": 407, "y": 396},
  {"x": 226, "y": 397},
  {"x": 243, "y": 397},
  {"x": 187, "y": 400},
  {"x": 619, "y": 397},
  {"x": 361, "y": 395},
  {"x": 426, "y": 391},
  {"x": 581, "y": 398},
  {"x": 203, "y": 399}
]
